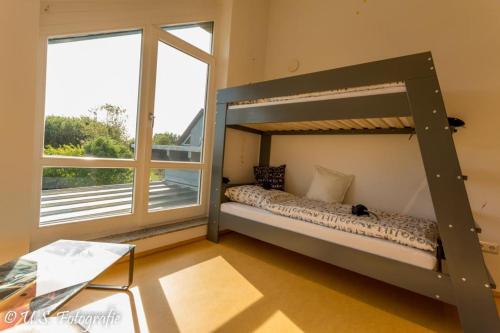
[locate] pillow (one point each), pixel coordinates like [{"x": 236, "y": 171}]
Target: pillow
[
  {"x": 270, "y": 177},
  {"x": 256, "y": 196},
  {"x": 329, "y": 185}
]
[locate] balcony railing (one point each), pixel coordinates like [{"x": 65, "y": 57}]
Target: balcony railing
[{"x": 82, "y": 203}]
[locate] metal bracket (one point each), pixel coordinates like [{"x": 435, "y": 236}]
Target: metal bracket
[{"x": 130, "y": 276}]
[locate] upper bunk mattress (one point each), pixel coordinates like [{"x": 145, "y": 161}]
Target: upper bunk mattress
[
  {"x": 379, "y": 89},
  {"x": 381, "y": 247}
]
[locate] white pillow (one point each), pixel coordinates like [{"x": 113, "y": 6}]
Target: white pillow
[{"x": 329, "y": 185}]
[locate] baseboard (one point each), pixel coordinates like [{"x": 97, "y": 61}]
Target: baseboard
[
  {"x": 157, "y": 243},
  {"x": 169, "y": 246},
  {"x": 140, "y": 252}
]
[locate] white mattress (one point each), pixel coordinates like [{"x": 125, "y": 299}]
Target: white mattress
[
  {"x": 379, "y": 89},
  {"x": 376, "y": 246}
]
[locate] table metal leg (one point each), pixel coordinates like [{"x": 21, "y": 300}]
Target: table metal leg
[{"x": 130, "y": 276}]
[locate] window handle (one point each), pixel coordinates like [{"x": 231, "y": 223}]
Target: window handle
[{"x": 152, "y": 119}]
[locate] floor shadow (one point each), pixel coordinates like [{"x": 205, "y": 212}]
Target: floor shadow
[
  {"x": 148, "y": 270},
  {"x": 310, "y": 295},
  {"x": 423, "y": 311}
]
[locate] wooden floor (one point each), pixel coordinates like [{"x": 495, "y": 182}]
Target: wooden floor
[{"x": 244, "y": 285}]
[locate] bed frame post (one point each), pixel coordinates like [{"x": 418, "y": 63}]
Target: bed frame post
[
  {"x": 467, "y": 270},
  {"x": 265, "y": 149},
  {"x": 217, "y": 169}
]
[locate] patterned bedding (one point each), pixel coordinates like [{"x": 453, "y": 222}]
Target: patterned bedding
[
  {"x": 257, "y": 196},
  {"x": 405, "y": 230}
]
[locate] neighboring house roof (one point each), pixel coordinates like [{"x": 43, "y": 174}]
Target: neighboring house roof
[{"x": 187, "y": 131}]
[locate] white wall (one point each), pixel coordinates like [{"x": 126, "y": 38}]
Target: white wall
[
  {"x": 68, "y": 14},
  {"x": 246, "y": 65},
  {"x": 18, "y": 34},
  {"x": 463, "y": 37}
]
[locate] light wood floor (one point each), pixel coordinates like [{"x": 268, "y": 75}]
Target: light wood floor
[{"x": 243, "y": 285}]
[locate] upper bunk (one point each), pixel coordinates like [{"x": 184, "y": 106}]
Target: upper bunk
[{"x": 370, "y": 98}]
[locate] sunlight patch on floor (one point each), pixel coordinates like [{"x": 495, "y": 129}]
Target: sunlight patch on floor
[
  {"x": 139, "y": 310},
  {"x": 117, "y": 304},
  {"x": 205, "y": 296},
  {"x": 278, "y": 322}
]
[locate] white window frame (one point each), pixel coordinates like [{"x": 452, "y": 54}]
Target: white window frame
[
  {"x": 197, "y": 210},
  {"x": 140, "y": 217}
]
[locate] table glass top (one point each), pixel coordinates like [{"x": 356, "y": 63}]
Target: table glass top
[{"x": 39, "y": 282}]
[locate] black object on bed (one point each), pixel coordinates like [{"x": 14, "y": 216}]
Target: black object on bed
[
  {"x": 393, "y": 96},
  {"x": 360, "y": 210}
]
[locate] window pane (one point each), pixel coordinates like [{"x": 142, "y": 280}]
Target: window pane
[
  {"x": 91, "y": 99},
  {"x": 71, "y": 194},
  {"x": 181, "y": 84},
  {"x": 172, "y": 188},
  {"x": 199, "y": 35}
]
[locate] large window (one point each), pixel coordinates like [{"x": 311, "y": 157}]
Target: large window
[
  {"x": 100, "y": 119},
  {"x": 91, "y": 98},
  {"x": 91, "y": 108}
]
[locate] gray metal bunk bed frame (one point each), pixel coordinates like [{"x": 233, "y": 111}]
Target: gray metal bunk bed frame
[{"x": 467, "y": 284}]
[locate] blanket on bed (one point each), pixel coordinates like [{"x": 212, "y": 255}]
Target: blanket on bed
[{"x": 406, "y": 230}]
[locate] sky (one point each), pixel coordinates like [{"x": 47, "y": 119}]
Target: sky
[{"x": 86, "y": 74}]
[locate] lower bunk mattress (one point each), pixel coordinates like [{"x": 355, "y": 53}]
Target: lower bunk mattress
[{"x": 377, "y": 246}]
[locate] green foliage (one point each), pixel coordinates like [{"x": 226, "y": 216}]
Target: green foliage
[
  {"x": 116, "y": 118},
  {"x": 76, "y": 177},
  {"x": 166, "y": 138},
  {"x": 64, "y": 150},
  {"x": 100, "y": 134},
  {"x": 56, "y": 178},
  {"x": 61, "y": 131},
  {"x": 87, "y": 136},
  {"x": 106, "y": 147},
  {"x": 156, "y": 175}
]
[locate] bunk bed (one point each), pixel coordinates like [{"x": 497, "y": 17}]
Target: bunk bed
[{"x": 394, "y": 96}]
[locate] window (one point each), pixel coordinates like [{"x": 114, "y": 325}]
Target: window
[
  {"x": 91, "y": 98},
  {"x": 179, "y": 125},
  {"x": 199, "y": 34},
  {"x": 98, "y": 118},
  {"x": 91, "y": 108},
  {"x": 181, "y": 85}
]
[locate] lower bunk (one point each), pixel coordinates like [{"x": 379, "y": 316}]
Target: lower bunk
[
  {"x": 420, "y": 280},
  {"x": 377, "y": 246}
]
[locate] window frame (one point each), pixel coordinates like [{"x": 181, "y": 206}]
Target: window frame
[
  {"x": 156, "y": 216},
  {"x": 140, "y": 216},
  {"x": 188, "y": 25}
]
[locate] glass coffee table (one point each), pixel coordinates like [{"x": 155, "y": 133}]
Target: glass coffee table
[{"x": 37, "y": 284}]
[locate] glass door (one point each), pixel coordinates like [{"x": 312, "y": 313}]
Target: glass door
[
  {"x": 123, "y": 135},
  {"x": 177, "y": 167}
]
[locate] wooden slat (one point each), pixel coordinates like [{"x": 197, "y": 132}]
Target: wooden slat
[
  {"x": 345, "y": 124},
  {"x": 377, "y": 123},
  {"x": 406, "y": 121},
  {"x": 363, "y": 123}
]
